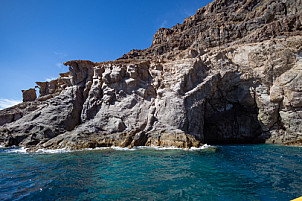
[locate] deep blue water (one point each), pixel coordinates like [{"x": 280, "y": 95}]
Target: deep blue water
[{"x": 239, "y": 172}]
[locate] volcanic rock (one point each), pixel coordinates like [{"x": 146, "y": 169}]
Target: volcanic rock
[{"x": 29, "y": 95}]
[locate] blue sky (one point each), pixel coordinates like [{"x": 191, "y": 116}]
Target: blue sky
[{"x": 37, "y": 36}]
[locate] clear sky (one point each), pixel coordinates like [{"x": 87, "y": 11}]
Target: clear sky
[{"x": 37, "y": 36}]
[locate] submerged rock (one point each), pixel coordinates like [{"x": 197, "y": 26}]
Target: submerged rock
[{"x": 229, "y": 74}]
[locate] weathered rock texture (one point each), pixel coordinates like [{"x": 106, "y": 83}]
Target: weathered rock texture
[
  {"x": 29, "y": 95},
  {"x": 232, "y": 73}
]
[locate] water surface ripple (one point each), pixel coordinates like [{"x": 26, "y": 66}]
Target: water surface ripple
[{"x": 241, "y": 172}]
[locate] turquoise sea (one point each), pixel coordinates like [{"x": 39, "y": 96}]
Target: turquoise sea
[{"x": 228, "y": 172}]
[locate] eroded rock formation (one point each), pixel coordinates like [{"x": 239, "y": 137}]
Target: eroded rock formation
[
  {"x": 29, "y": 95},
  {"x": 232, "y": 73}
]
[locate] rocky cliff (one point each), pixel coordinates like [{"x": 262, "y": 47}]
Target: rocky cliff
[{"x": 232, "y": 73}]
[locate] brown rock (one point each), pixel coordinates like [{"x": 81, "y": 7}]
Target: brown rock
[{"x": 29, "y": 95}]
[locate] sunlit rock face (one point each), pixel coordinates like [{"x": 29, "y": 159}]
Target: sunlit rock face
[{"x": 232, "y": 73}]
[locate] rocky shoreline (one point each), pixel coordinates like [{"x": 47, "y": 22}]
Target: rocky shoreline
[{"x": 232, "y": 73}]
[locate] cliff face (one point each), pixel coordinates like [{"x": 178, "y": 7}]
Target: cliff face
[
  {"x": 232, "y": 73},
  {"x": 225, "y": 23}
]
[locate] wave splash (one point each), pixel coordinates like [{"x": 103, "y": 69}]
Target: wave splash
[{"x": 56, "y": 151}]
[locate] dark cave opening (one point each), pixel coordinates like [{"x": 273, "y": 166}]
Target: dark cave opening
[
  {"x": 231, "y": 113},
  {"x": 237, "y": 124}
]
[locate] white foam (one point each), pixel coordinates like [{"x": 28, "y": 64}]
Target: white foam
[
  {"x": 162, "y": 148},
  {"x": 205, "y": 146},
  {"x": 124, "y": 148},
  {"x": 144, "y": 147},
  {"x": 300, "y": 146},
  {"x": 58, "y": 151},
  {"x": 55, "y": 151},
  {"x": 17, "y": 150},
  {"x": 52, "y": 151}
]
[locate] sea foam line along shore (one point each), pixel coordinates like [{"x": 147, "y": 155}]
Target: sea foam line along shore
[{"x": 56, "y": 151}]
